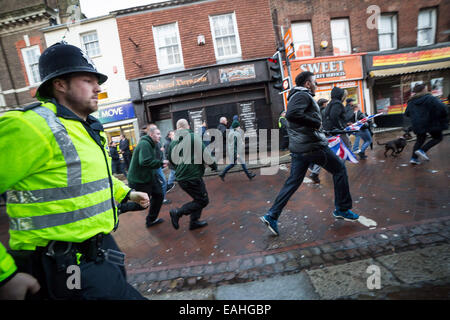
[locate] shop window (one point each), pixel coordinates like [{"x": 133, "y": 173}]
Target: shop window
[
  {"x": 31, "y": 60},
  {"x": 168, "y": 46},
  {"x": 113, "y": 134},
  {"x": 303, "y": 40},
  {"x": 340, "y": 34},
  {"x": 225, "y": 36},
  {"x": 426, "y": 27},
  {"x": 387, "y": 32},
  {"x": 91, "y": 44}
]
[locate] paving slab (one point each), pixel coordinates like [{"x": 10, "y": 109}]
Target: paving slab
[
  {"x": 429, "y": 264},
  {"x": 348, "y": 279},
  {"x": 289, "y": 287}
]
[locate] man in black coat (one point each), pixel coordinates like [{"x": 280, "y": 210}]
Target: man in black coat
[
  {"x": 428, "y": 115},
  {"x": 335, "y": 115},
  {"x": 124, "y": 147},
  {"x": 308, "y": 144}
]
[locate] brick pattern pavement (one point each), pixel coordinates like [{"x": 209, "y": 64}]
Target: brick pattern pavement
[{"x": 287, "y": 261}]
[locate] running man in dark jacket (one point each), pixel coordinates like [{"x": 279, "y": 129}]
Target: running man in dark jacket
[
  {"x": 335, "y": 115},
  {"x": 427, "y": 114},
  {"x": 184, "y": 154},
  {"x": 308, "y": 144}
]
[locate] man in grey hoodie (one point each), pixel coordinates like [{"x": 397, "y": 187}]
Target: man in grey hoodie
[{"x": 308, "y": 144}]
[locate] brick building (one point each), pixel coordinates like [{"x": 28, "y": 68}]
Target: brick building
[
  {"x": 200, "y": 60},
  {"x": 21, "y": 44},
  {"x": 398, "y": 43}
]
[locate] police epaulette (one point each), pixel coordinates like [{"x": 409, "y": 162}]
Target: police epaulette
[{"x": 29, "y": 107}]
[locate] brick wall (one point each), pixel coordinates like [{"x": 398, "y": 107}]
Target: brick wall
[
  {"x": 254, "y": 24},
  {"x": 319, "y": 13}
]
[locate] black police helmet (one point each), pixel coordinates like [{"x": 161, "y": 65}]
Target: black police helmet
[{"x": 60, "y": 59}]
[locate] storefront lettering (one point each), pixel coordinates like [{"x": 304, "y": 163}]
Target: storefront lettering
[
  {"x": 327, "y": 69},
  {"x": 111, "y": 112},
  {"x": 164, "y": 85}
]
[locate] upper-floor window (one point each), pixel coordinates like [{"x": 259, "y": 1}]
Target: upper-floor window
[
  {"x": 387, "y": 32},
  {"x": 168, "y": 46},
  {"x": 303, "y": 40},
  {"x": 426, "y": 27},
  {"x": 225, "y": 36},
  {"x": 91, "y": 44},
  {"x": 340, "y": 35},
  {"x": 31, "y": 60}
]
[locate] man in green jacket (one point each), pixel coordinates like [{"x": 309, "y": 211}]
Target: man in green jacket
[
  {"x": 187, "y": 153},
  {"x": 142, "y": 173}
]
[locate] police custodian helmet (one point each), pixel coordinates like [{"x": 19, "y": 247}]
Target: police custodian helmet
[{"x": 60, "y": 59}]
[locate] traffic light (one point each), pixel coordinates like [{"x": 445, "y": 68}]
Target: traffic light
[{"x": 276, "y": 71}]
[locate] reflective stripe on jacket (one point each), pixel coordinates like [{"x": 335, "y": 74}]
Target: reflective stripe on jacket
[{"x": 59, "y": 180}]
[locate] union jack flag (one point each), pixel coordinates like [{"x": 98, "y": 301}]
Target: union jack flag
[
  {"x": 358, "y": 124},
  {"x": 338, "y": 147}
]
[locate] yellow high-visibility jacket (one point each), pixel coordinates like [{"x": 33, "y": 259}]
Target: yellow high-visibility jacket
[{"x": 57, "y": 177}]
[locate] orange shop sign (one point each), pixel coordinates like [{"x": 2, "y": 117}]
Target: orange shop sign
[
  {"x": 330, "y": 69},
  {"x": 410, "y": 57}
]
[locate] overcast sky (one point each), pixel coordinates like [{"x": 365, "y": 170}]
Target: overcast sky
[{"x": 95, "y": 8}]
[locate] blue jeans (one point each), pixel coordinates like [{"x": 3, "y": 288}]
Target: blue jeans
[
  {"x": 228, "y": 167},
  {"x": 162, "y": 178},
  {"x": 367, "y": 138},
  {"x": 171, "y": 178},
  {"x": 299, "y": 166}
]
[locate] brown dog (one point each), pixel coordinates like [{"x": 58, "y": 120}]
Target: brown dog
[{"x": 396, "y": 146}]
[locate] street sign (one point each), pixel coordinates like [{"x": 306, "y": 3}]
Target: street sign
[
  {"x": 286, "y": 85},
  {"x": 289, "y": 44}
]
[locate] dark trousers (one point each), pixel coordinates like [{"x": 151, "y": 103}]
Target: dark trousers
[
  {"x": 127, "y": 159},
  {"x": 436, "y": 137},
  {"x": 116, "y": 166},
  {"x": 155, "y": 194},
  {"x": 98, "y": 280},
  {"x": 197, "y": 190},
  {"x": 299, "y": 165}
]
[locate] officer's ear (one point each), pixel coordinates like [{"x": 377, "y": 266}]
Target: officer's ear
[{"x": 60, "y": 85}]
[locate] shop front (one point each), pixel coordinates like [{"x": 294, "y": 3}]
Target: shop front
[
  {"x": 345, "y": 72},
  {"x": 119, "y": 119},
  {"x": 207, "y": 94},
  {"x": 392, "y": 76}
]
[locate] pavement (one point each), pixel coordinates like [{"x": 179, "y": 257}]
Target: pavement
[{"x": 399, "y": 248}]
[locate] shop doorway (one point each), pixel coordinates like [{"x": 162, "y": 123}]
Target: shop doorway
[
  {"x": 160, "y": 115},
  {"x": 128, "y": 130}
]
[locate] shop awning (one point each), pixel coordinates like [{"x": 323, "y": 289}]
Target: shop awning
[{"x": 410, "y": 69}]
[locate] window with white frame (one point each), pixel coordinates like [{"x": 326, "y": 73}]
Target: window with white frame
[
  {"x": 168, "y": 46},
  {"x": 387, "y": 32},
  {"x": 91, "y": 44},
  {"x": 426, "y": 27},
  {"x": 31, "y": 60},
  {"x": 303, "y": 39},
  {"x": 340, "y": 35},
  {"x": 225, "y": 36}
]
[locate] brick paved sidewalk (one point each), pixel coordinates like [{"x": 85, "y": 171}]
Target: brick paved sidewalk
[{"x": 293, "y": 260}]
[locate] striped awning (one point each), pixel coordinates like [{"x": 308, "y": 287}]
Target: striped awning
[{"x": 410, "y": 69}]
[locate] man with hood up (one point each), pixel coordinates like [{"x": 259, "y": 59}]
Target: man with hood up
[
  {"x": 308, "y": 144},
  {"x": 427, "y": 114},
  {"x": 335, "y": 115}
]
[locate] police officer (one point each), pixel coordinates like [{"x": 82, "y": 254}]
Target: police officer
[
  {"x": 61, "y": 192},
  {"x": 283, "y": 125}
]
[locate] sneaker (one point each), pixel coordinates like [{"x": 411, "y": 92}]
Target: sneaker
[
  {"x": 251, "y": 175},
  {"x": 174, "y": 217},
  {"x": 167, "y": 201},
  {"x": 314, "y": 177},
  {"x": 149, "y": 224},
  {"x": 414, "y": 161},
  {"x": 362, "y": 156},
  {"x": 422, "y": 154},
  {"x": 347, "y": 215},
  {"x": 170, "y": 187},
  {"x": 222, "y": 177},
  {"x": 270, "y": 223}
]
